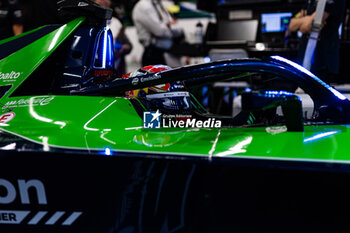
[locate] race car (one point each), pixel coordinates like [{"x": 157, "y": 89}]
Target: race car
[{"x": 82, "y": 150}]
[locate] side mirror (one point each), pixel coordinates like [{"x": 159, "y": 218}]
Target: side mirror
[{"x": 269, "y": 100}]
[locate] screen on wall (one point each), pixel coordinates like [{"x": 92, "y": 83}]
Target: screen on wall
[
  {"x": 275, "y": 22},
  {"x": 243, "y": 30}
]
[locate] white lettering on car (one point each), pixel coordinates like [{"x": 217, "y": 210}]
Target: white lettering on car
[
  {"x": 25, "y": 102},
  {"x": 30, "y": 192},
  {"x": 23, "y": 187},
  {"x": 12, "y": 76}
]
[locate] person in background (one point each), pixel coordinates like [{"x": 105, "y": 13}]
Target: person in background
[
  {"x": 156, "y": 31},
  {"x": 326, "y": 56},
  {"x": 121, "y": 43},
  {"x": 11, "y": 19}
]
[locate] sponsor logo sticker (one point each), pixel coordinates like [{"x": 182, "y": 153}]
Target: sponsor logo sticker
[
  {"x": 4, "y": 118},
  {"x": 12, "y": 76},
  {"x": 151, "y": 78},
  {"x": 103, "y": 72},
  {"x": 31, "y": 192},
  {"x": 135, "y": 81},
  {"x": 12, "y": 216},
  {"x": 55, "y": 218},
  {"x": 25, "y": 102}
]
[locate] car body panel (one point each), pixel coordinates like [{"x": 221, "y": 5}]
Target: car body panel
[
  {"x": 26, "y": 60},
  {"x": 97, "y": 123}
]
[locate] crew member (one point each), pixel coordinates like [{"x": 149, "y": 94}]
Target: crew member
[
  {"x": 156, "y": 30},
  {"x": 326, "y": 56},
  {"x": 11, "y": 22}
]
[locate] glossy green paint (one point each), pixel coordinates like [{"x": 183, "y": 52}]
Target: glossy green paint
[
  {"x": 26, "y": 60},
  {"x": 97, "y": 123},
  {"x": 80, "y": 122}
]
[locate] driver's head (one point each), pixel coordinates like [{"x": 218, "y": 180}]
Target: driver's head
[{"x": 168, "y": 96}]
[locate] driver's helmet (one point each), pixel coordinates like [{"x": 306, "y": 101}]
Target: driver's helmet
[{"x": 168, "y": 96}]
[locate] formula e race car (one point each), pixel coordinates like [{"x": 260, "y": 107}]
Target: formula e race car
[{"x": 82, "y": 150}]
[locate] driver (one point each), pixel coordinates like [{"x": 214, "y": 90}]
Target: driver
[
  {"x": 173, "y": 99},
  {"x": 167, "y": 97}
]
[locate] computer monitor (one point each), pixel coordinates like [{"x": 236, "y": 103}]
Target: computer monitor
[
  {"x": 240, "y": 30},
  {"x": 275, "y": 22}
]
